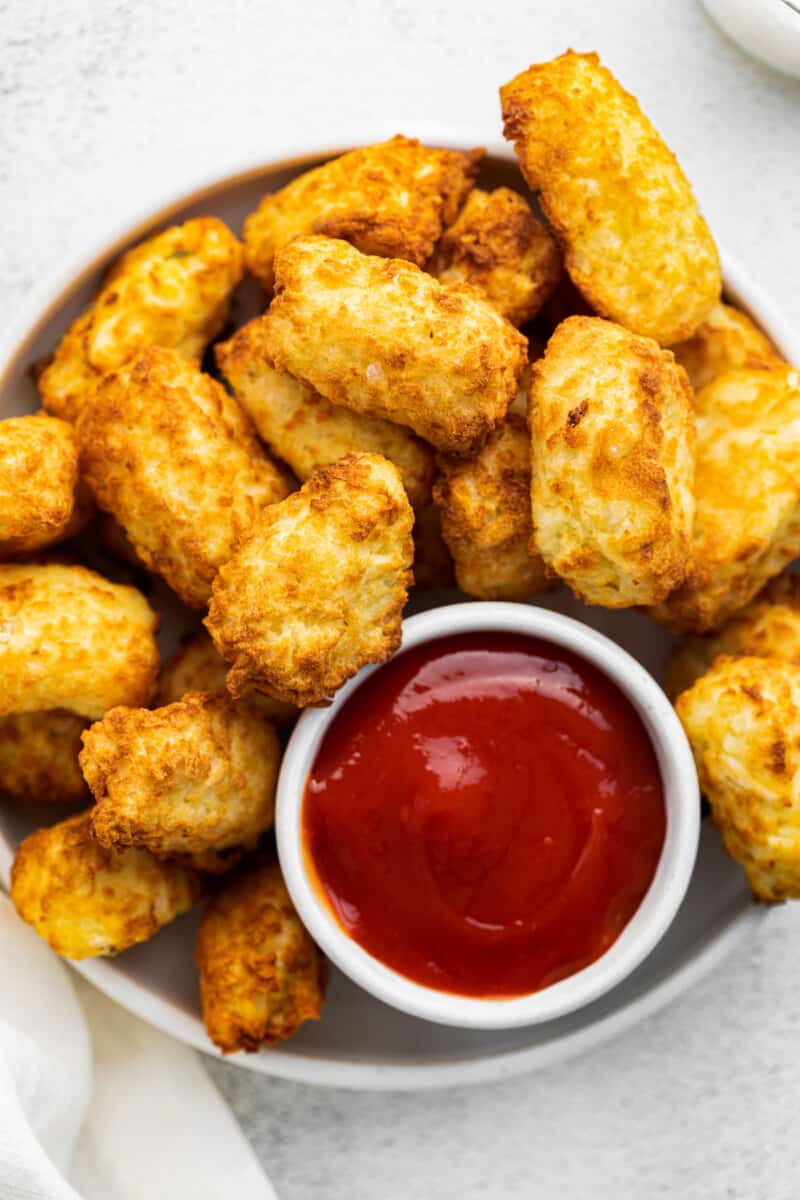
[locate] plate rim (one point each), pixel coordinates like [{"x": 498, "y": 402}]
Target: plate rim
[
  {"x": 170, "y": 1018},
  {"x": 383, "y": 1076}
]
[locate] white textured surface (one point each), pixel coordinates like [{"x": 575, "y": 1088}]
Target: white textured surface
[{"x": 106, "y": 105}]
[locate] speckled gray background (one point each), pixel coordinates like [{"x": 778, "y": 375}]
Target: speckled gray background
[{"x": 108, "y": 105}]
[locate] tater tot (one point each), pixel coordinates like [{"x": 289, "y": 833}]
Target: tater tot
[
  {"x": 195, "y": 776},
  {"x": 391, "y": 199},
  {"x": 38, "y": 476},
  {"x": 742, "y": 719},
  {"x": 196, "y": 667},
  {"x": 71, "y": 639},
  {"x": 172, "y": 456},
  {"x": 613, "y": 463},
  {"x": 318, "y": 588},
  {"x": 633, "y": 238},
  {"x": 85, "y": 900},
  {"x": 172, "y": 290},
  {"x": 747, "y": 491},
  {"x": 39, "y": 757},
  {"x": 261, "y": 976},
  {"x": 381, "y": 337},
  {"x": 726, "y": 340},
  {"x": 486, "y": 517},
  {"x": 305, "y": 429},
  {"x": 499, "y": 246},
  {"x": 769, "y": 627}
]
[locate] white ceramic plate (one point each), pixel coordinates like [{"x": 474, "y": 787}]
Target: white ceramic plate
[{"x": 361, "y": 1043}]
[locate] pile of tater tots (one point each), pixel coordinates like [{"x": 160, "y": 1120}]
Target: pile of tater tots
[{"x": 446, "y": 384}]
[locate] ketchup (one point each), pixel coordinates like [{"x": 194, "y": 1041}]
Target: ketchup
[{"x": 485, "y": 814}]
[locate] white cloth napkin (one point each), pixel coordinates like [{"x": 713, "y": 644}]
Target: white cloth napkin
[{"x": 96, "y": 1105}]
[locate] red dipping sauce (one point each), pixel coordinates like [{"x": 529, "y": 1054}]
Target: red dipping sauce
[{"x": 485, "y": 814}]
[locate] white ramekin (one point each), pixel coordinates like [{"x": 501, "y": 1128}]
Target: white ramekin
[
  {"x": 651, "y": 919},
  {"x": 766, "y": 29}
]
